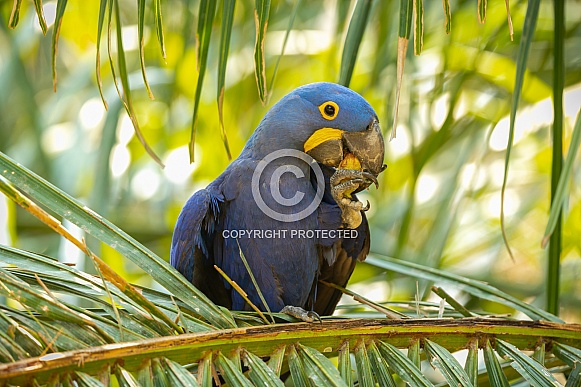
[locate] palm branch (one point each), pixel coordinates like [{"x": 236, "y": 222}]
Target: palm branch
[
  {"x": 63, "y": 326},
  {"x": 140, "y": 336}
]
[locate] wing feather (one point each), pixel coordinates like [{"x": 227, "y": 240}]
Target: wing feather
[{"x": 193, "y": 243}]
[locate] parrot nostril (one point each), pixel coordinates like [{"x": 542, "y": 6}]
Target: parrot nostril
[{"x": 373, "y": 124}]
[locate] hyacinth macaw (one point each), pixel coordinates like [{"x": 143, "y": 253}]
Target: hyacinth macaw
[{"x": 290, "y": 251}]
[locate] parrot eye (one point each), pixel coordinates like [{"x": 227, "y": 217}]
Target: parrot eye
[{"x": 329, "y": 110}]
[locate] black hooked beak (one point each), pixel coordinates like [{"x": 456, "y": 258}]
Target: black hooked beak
[{"x": 367, "y": 146}]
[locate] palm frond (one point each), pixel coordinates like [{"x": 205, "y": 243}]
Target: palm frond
[
  {"x": 71, "y": 209},
  {"x": 47, "y": 330},
  {"x": 50, "y": 337}
]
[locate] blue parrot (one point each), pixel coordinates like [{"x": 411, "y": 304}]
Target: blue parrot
[{"x": 288, "y": 205}]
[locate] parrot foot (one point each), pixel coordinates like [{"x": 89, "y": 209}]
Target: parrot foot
[
  {"x": 354, "y": 205},
  {"x": 363, "y": 179},
  {"x": 301, "y": 314},
  {"x": 343, "y": 183}
]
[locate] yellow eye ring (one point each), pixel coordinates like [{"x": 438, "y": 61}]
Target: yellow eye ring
[{"x": 329, "y": 110}]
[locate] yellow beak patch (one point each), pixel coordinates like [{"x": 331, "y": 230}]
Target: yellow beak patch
[{"x": 322, "y": 135}]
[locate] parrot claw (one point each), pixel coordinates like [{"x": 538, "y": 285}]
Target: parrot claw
[
  {"x": 366, "y": 206},
  {"x": 354, "y": 204},
  {"x": 363, "y": 179},
  {"x": 343, "y": 183},
  {"x": 301, "y": 314},
  {"x": 373, "y": 179}
]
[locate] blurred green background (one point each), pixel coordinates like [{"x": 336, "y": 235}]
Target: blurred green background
[{"x": 438, "y": 203}]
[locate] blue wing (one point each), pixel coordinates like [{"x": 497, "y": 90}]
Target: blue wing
[{"x": 192, "y": 249}]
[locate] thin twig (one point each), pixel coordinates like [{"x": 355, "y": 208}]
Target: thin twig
[
  {"x": 242, "y": 293},
  {"x": 245, "y": 262},
  {"x": 458, "y": 307},
  {"x": 66, "y": 308},
  {"x": 389, "y": 313},
  {"x": 115, "y": 310},
  {"x": 49, "y": 345}
]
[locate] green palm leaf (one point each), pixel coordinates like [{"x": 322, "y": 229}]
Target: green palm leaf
[
  {"x": 92, "y": 223},
  {"x": 357, "y": 26}
]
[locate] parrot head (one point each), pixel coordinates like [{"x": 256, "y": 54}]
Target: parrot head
[{"x": 325, "y": 120}]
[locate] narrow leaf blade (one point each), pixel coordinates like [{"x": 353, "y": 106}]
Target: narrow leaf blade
[
  {"x": 205, "y": 370},
  {"x": 364, "y": 374},
  {"x": 476, "y": 288},
  {"x": 535, "y": 373},
  {"x": 276, "y": 360},
  {"x": 522, "y": 57},
  {"x": 15, "y": 14},
  {"x": 353, "y": 39},
  {"x": 125, "y": 96},
  {"x": 448, "y": 16},
  {"x": 561, "y": 193},
  {"x": 60, "y": 10},
  {"x": 259, "y": 373},
  {"x": 100, "y": 22},
  {"x": 297, "y": 368},
  {"x": 159, "y": 26},
  {"x": 205, "y": 22},
  {"x": 345, "y": 363},
  {"x": 231, "y": 373},
  {"x": 86, "y": 380},
  {"x": 418, "y": 26},
  {"x": 414, "y": 353},
  {"x": 177, "y": 374},
  {"x": 568, "y": 354},
  {"x": 471, "y": 365},
  {"x": 320, "y": 370},
  {"x": 447, "y": 364},
  {"x": 289, "y": 27},
  {"x": 574, "y": 378},
  {"x": 403, "y": 366},
  {"x": 482, "y": 11},
  {"x": 40, "y": 15},
  {"x": 125, "y": 378},
  {"x": 379, "y": 367},
  {"x": 261, "y": 14},
  {"x": 140, "y": 27},
  {"x": 405, "y": 23},
  {"x": 225, "y": 35},
  {"x": 556, "y": 238},
  {"x": 495, "y": 372}
]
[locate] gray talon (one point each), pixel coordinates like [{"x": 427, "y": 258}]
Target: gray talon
[
  {"x": 301, "y": 314},
  {"x": 373, "y": 179},
  {"x": 366, "y": 206},
  {"x": 363, "y": 179},
  {"x": 314, "y": 316}
]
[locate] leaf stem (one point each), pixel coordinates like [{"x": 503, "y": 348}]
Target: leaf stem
[{"x": 554, "y": 258}]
